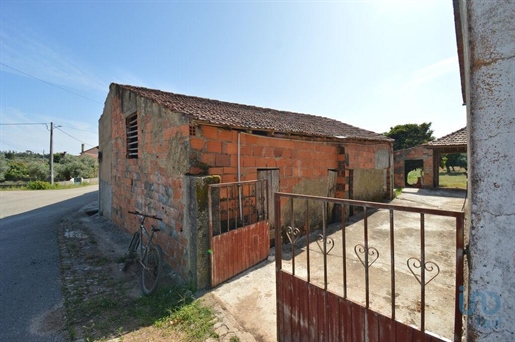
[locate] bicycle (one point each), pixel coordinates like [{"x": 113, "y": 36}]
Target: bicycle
[{"x": 150, "y": 255}]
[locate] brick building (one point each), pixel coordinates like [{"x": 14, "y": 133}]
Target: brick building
[
  {"x": 427, "y": 157},
  {"x": 155, "y": 146}
]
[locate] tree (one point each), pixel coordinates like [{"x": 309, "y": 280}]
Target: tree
[
  {"x": 72, "y": 166},
  {"x": 17, "y": 170},
  {"x": 455, "y": 159},
  {"x": 3, "y": 166},
  {"x": 410, "y": 135},
  {"x": 38, "y": 170}
]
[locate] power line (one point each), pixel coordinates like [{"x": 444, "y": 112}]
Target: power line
[
  {"x": 73, "y": 137},
  {"x": 3, "y": 142},
  {"x": 78, "y": 129},
  {"x": 53, "y": 85},
  {"x": 19, "y": 124}
]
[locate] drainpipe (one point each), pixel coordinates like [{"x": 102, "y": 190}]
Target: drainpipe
[{"x": 239, "y": 179}]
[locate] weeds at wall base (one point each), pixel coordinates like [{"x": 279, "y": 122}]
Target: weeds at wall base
[{"x": 102, "y": 302}]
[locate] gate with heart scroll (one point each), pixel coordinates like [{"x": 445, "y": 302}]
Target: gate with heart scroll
[{"x": 372, "y": 278}]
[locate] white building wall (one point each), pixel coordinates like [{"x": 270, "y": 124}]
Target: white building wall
[{"x": 489, "y": 51}]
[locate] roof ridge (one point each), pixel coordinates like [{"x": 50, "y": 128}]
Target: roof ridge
[
  {"x": 253, "y": 117},
  {"x": 456, "y": 135},
  {"x": 228, "y": 102}
]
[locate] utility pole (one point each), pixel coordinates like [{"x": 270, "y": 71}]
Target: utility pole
[{"x": 51, "y": 153}]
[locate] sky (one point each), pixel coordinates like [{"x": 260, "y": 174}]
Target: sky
[{"x": 372, "y": 64}]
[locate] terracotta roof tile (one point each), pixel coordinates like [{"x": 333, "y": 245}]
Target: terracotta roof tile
[
  {"x": 249, "y": 117},
  {"x": 457, "y": 138}
]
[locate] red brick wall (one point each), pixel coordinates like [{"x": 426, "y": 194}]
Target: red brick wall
[
  {"x": 371, "y": 161},
  {"x": 152, "y": 183},
  {"x": 418, "y": 152},
  {"x": 297, "y": 161}
]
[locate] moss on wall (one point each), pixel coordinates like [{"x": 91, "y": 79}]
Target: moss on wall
[{"x": 202, "y": 190}]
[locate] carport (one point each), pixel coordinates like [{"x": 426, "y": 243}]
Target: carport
[
  {"x": 455, "y": 142},
  {"x": 427, "y": 157}
]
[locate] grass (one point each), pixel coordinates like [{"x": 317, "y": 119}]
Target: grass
[
  {"x": 52, "y": 187},
  {"x": 413, "y": 176},
  {"x": 102, "y": 305},
  {"x": 189, "y": 317},
  {"x": 172, "y": 311},
  {"x": 453, "y": 180},
  {"x": 456, "y": 179}
]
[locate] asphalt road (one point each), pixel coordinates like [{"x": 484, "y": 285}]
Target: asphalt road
[{"x": 29, "y": 258}]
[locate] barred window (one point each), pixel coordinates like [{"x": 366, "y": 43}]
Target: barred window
[{"x": 131, "y": 124}]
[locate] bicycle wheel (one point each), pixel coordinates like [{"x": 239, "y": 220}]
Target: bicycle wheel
[
  {"x": 132, "y": 249},
  {"x": 152, "y": 269}
]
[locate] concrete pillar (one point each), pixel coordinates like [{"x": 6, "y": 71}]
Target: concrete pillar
[
  {"x": 197, "y": 222},
  {"x": 488, "y": 29}
]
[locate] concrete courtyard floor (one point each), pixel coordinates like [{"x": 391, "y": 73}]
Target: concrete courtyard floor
[{"x": 251, "y": 300}]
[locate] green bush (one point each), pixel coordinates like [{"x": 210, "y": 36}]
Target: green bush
[{"x": 39, "y": 185}]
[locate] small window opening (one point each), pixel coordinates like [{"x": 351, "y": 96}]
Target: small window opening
[
  {"x": 193, "y": 130},
  {"x": 131, "y": 124}
]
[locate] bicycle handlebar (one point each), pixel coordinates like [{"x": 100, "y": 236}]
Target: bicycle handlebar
[{"x": 144, "y": 215}]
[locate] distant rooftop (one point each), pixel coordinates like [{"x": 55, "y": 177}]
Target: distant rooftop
[
  {"x": 457, "y": 138},
  {"x": 92, "y": 152},
  {"x": 254, "y": 118}
]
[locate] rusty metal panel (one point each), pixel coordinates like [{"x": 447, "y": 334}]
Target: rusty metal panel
[
  {"x": 279, "y": 296},
  {"x": 346, "y": 319},
  {"x": 386, "y": 331},
  {"x": 313, "y": 312},
  {"x": 287, "y": 319},
  {"x": 321, "y": 314},
  {"x": 307, "y": 312},
  {"x": 295, "y": 311},
  {"x": 304, "y": 317},
  {"x": 372, "y": 326},
  {"x": 333, "y": 317},
  {"x": 358, "y": 322},
  {"x": 418, "y": 336},
  {"x": 402, "y": 332},
  {"x": 238, "y": 250}
]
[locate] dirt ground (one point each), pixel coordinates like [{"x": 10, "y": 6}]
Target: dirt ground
[{"x": 91, "y": 258}]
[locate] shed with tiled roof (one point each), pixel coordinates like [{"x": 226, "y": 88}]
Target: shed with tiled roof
[
  {"x": 427, "y": 157},
  {"x": 455, "y": 141},
  {"x": 239, "y": 116},
  {"x": 158, "y": 150}
]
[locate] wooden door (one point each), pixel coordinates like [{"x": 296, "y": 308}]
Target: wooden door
[{"x": 272, "y": 178}]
